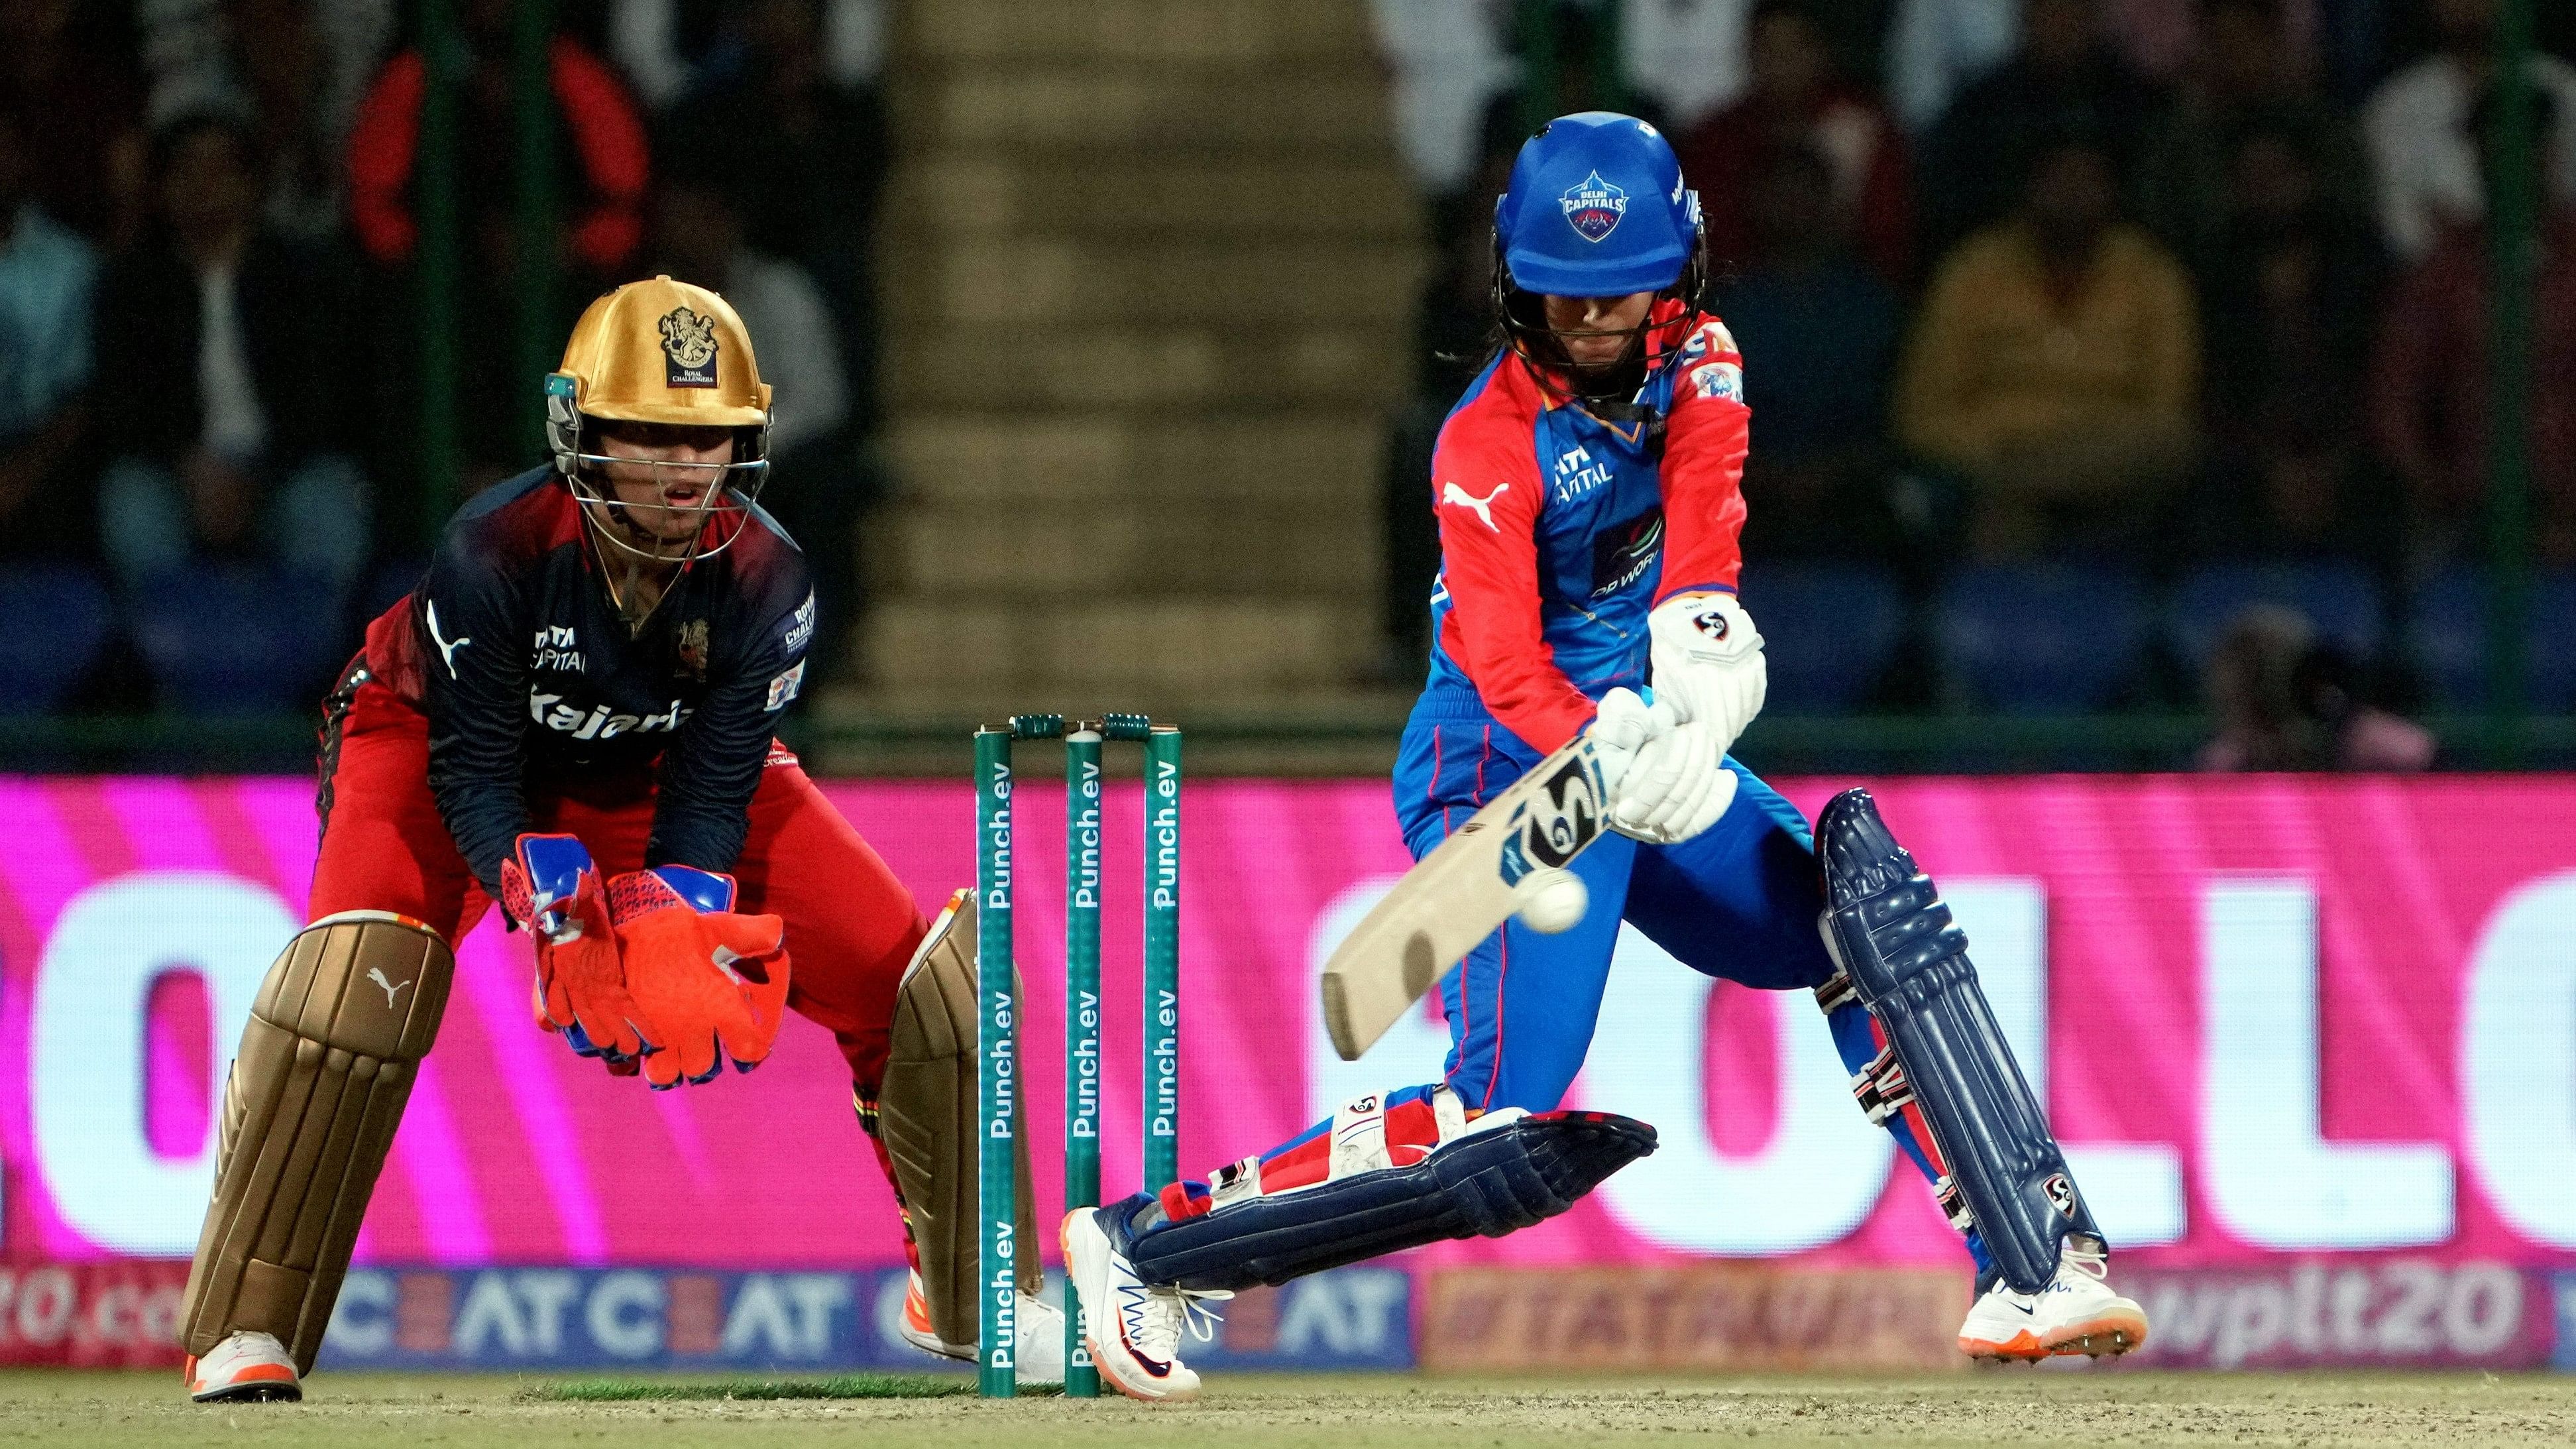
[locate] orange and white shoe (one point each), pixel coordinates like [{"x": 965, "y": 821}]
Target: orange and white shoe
[
  {"x": 1134, "y": 1327},
  {"x": 1039, "y": 1335},
  {"x": 2077, "y": 1313},
  {"x": 245, "y": 1368}
]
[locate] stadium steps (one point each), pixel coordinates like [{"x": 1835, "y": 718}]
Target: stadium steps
[
  {"x": 1014, "y": 284},
  {"x": 1179, "y": 33},
  {"x": 1183, "y": 550},
  {"x": 1149, "y": 269},
  {"x": 1226, "y": 112},
  {"x": 1008, "y": 462},
  {"x": 1118, "y": 202}
]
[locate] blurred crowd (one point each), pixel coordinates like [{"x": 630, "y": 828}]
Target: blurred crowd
[
  {"x": 2101, "y": 353},
  {"x": 211, "y": 400},
  {"x": 2104, "y": 354}
]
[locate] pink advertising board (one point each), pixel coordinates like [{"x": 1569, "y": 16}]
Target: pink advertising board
[{"x": 2272, "y": 1018}]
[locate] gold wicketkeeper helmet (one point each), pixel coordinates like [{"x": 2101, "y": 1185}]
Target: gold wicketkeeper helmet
[{"x": 662, "y": 352}]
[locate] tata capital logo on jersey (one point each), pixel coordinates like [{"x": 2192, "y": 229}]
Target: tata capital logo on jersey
[
  {"x": 1593, "y": 207},
  {"x": 1577, "y": 474},
  {"x": 556, "y": 646}
]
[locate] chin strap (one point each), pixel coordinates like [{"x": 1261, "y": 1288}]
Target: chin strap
[{"x": 635, "y": 561}]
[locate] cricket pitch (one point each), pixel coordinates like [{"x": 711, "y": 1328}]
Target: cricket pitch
[{"x": 1988, "y": 1407}]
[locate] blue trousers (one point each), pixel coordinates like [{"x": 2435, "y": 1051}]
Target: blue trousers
[{"x": 1739, "y": 902}]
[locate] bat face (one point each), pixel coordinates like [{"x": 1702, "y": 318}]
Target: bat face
[
  {"x": 1554, "y": 826},
  {"x": 1460, "y": 893}
]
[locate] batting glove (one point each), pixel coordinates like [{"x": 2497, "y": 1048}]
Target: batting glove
[
  {"x": 1666, "y": 779},
  {"x": 1708, "y": 663}
]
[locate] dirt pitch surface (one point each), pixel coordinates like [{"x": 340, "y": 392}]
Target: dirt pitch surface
[{"x": 1982, "y": 1408}]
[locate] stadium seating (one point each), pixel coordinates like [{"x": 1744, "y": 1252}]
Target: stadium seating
[
  {"x": 2341, "y": 599},
  {"x": 238, "y": 640},
  {"x": 59, "y": 622},
  {"x": 2042, "y": 638},
  {"x": 1828, "y": 630},
  {"x": 2447, "y": 635}
]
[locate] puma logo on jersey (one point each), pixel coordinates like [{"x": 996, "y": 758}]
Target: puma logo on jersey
[
  {"x": 376, "y": 974},
  {"x": 446, "y": 649},
  {"x": 1483, "y": 507}
]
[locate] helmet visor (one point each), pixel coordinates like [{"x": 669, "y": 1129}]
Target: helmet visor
[{"x": 668, "y": 508}]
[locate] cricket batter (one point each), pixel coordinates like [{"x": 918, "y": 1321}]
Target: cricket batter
[
  {"x": 573, "y": 716},
  {"x": 1587, "y": 493}
]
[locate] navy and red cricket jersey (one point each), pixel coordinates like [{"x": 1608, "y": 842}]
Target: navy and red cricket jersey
[{"x": 529, "y": 677}]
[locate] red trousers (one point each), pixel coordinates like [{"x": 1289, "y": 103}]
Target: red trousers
[{"x": 851, "y": 926}]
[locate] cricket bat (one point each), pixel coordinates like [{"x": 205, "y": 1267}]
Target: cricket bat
[{"x": 1460, "y": 893}]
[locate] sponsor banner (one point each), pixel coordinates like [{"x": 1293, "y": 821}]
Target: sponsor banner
[
  {"x": 91, "y": 1315},
  {"x": 2269, "y": 1016},
  {"x": 499, "y": 1318},
  {"x": 653, "y": 1319},
  {"x": 2345, "y": 1313},
  {"x": 1349, "y": 1318},
  {"x": 1713, "y": 1318}
]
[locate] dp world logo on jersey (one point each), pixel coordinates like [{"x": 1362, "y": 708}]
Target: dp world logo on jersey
[{"x": 1593, "y": 207}]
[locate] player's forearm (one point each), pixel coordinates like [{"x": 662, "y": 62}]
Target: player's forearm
[
  {"x": 484, "y": 816},
  {"x": 1497, "y": 636},
  {"x": 701, "y": 823},
  {"x": 1544, "y": 723},
  {"x": 701, "y": 812}
]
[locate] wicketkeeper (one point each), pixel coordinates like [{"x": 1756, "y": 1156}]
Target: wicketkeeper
[
  {"x": 573, "y": 716},
  {"x": 1587, "y": 490}
]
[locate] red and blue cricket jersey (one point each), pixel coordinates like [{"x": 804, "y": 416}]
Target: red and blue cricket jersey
[{"x": 1560, "y": 530}]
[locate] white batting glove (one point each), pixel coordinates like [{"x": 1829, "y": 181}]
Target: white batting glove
[
  {"x": 1708, "y": 663},
  {"x": 1620, "y": 728},
  {"x": 1665, "y": 779}
]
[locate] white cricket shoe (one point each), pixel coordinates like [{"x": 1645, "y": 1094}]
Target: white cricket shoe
[
  {"x": 2076, "y": 1313},
  {"x": 1037, "y": 1336},
  {"x": 245, "y": 1368},
  {"x": 1134, "y": 1328}
]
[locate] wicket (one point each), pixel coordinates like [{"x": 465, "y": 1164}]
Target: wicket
[{"x": 997, "y": 1364}]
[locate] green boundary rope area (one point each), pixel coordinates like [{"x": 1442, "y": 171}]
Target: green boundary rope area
[{"x": 844, "y": 1386}]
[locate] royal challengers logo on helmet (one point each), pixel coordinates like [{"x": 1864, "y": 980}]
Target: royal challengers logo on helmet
[
  {"x": 689, "y": 347},
  {"x": 1593, "y": 207}
]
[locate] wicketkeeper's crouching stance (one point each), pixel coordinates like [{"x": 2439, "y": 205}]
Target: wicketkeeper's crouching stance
[
  {"x": 1587, "y": 492},
  {"x": 573, "y": 716}
]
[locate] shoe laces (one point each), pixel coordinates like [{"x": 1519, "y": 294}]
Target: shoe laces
[
  {"x": 249, "y": 1345},
  {"x": 1157, "y": 1317},
  {"x": 2092, "y": 1263}
]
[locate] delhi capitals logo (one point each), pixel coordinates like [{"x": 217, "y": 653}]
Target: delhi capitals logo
[{"x": 1593, "y": 207}]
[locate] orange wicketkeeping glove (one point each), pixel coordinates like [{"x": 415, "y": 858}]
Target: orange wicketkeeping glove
[
  {"x": 712, "y": 983},
  {"x": 550, "y": 886}
]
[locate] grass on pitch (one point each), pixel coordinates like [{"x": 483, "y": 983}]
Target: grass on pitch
[
  {"x": 844, "y": 1386},
  {"x": 65, "y": 1409}
]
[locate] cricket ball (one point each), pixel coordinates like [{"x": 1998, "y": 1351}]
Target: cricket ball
[{"x": 1552, "y": 900}]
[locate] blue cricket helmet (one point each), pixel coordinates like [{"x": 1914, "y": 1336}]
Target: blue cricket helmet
[{"x": 1597, "y": 208}]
